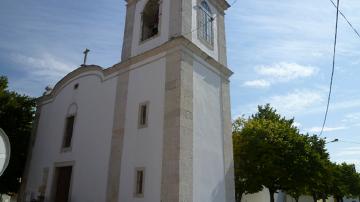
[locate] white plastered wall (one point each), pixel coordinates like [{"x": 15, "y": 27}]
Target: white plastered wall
[
  {"x": 208, "y": 162},
  {"x": 143, "y": 147},
  {"x": 90, "y": 143},
  {"x": 139, "y": 46}
]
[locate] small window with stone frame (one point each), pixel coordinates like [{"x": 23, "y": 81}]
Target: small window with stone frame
[
  {"x": 139, "y": 182},
  {"x": 143, "y": 115},
  {"x": 150, "y": 20}
]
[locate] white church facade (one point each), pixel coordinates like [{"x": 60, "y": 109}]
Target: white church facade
[{"x": 155, "y": 127}]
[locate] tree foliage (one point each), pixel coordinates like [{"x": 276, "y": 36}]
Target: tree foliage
[
  {"x": 16, "y": 115},
  {"x": 345, "y": 181},
  {"x": 263, "y": 148},
  {"x": 244, "y": 175},
  {"x": 270, "y": 151}
]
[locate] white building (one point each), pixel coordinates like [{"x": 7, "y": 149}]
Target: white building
[{"x": 154, "y": 127}]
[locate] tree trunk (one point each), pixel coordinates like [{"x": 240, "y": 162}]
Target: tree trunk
[
  {"x": 238, "y": 197},
  {"x": 324, "y": 197},
  {"x": 297, "y": 199},
  {"x": 314, "y": 197},
  {"x": 272, "y": 192}
]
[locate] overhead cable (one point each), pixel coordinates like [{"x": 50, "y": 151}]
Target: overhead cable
[
  {"x": 348, "y": 21},
  {"x": 333, "y": 68}
]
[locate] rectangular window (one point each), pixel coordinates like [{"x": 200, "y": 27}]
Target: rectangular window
[
  {"x": 69, "y": 127},
  {"x": 205, "y": 24},
  {"x": 143, "y": 114},
  {"x": 139, "y": 185}
]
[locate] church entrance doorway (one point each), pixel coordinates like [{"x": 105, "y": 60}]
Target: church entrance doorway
[{"x": 62, "y": 183}]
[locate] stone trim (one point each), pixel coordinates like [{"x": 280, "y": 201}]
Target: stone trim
[
  {"x": 221, "y": 40},
  {"x": 128, "y": 31},
  {"x": 186, "y": 129},
  {"x": 175, "y": 20},
  {"x": 227, "y": 140},
  {"x": 169, "y": 46},
  {"x": 117, "y": 139},
  {"x": 177, "y": 166},
  {"x": 221, "y": 5},
  {"x": 171, "y": 142}
]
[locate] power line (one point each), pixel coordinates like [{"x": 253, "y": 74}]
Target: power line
[
  {"x": 333, "y": 68},
  {"x": 342, "y": 14}
]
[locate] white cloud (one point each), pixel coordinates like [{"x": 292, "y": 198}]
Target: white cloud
[
  {"x": 351, "y": 151},
  {"x": 280, "y": 72},
  {"x": 349, "y": 103},
  {"x": 297, "y": 124},
  {"x": 40, "y": 70},
  {"x": 351, "y": 118},
  {"x": 296, "y": 101},
  {"x": 326, "y": 129},
  {"x": 284, "y": 71},
  {"x": 291, "y": 104},
  {"x": 260, "y": 83},
  {"x": 44, "y": 65}
]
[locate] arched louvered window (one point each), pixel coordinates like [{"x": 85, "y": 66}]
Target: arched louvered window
[
  {"x": 206, "y": 23},
  {"x": 150, "y": 19}
]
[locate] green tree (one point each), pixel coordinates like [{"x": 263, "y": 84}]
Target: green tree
[
  {"x": 357, "y": 187},
  {"x": 354, "y": 182},
  {"x": 263, "y": 149},
  {"x": 319, "y": 168},
  {"x": 346, "y": 181},
  {"x": 298, "y": 167},
  {"x": 16, "y": 115},
  {"x": 244, "y": 175}
]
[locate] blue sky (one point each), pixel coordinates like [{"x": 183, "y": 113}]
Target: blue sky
[{"x": 279, "y": 50}]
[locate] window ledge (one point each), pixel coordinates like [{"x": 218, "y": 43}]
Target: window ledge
[
  {"x": 149, "y": 39},
  {"x": 66, "y": 149},
  {"x": 206, "y": 43}
]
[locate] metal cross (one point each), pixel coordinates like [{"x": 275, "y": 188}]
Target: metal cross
[{"x": 85, "y": 56}]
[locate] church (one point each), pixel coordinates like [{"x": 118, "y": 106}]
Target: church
[{"x": 156, "y": 127}]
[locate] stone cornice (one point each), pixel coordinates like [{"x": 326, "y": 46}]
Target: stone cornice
[
  {"x": 168, "y": 46},
  {"x": 125, "y": 66},
  {"x": 64, "y": 81},
  {"x": 223, "y": 4}
]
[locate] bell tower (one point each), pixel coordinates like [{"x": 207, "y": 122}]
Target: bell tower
[
  {"x": 150, "y": 23},
  {"x": 177, "y": 81}
]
